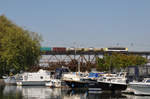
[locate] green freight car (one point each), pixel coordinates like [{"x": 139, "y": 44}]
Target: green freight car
[{"x": 45, "y": 49}]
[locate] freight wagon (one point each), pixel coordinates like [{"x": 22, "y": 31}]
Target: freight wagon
[
  {"x": 59, "y": 49},
  {"x": 97, "y": 49},
  {"x": 70, "y": 49},
  {"x": 88, "y": 49},
  {"x": 45, "y": 49}
]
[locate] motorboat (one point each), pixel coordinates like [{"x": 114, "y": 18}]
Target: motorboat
[
  {"x": 10, "y": 80},
  {"x": 113, "y": 81},
  {"x": 34, "y": 78},
  {"x": 75, "y": 80},
  {"x": 141, "y": 88},
  {"x": 79, "y": 80}
]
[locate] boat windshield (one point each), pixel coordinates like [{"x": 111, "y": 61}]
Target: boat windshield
[{"x": 148, "y": 81}]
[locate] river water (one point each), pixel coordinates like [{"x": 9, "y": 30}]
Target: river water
[{"x": 41, "y": 92}]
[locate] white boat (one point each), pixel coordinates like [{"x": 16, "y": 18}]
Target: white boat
[
  {"x": 79, "y": 80},
  {"x": 34, "y": 78},
  {"x": 141, "y": 88},
  {"x": 56, "y": 83},
  {"x": 9, "y": 80},
  {"x": 74, "y": 80},
  {"x": 113, "y": 81}
]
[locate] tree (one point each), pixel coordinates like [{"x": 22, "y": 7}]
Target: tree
[
  {"x": 104, "y": 63},
  {"x": 19, "y": 48},
  {"x": 117, "y": 60}
]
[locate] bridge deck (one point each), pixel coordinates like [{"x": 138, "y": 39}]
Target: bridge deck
[{"x": 93, "y": 53}]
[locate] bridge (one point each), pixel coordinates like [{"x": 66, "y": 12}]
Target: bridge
[
  {"x": 87, "y": 58},
  {"x": 145, "y": 53}
]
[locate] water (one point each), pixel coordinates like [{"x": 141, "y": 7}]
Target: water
[{"x": 35, "y": 92}]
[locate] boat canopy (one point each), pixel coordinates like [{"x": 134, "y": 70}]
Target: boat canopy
[{"x": 94, "y": 74}]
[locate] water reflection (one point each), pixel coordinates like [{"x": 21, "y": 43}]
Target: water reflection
[
  {"x": 11, "y": 90},
  {"x": 136, "y": 97},
  {"x": 34, "y": 92},
  {"x": 75, "y": 94}
]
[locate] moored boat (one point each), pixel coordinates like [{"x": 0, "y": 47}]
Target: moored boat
[
  {"x": 141, "y": 88},
  {"x": 113, "y": 82},
  {"x": 34, "y": 78},
  {"x": 9, "y": 80},
  {"x": 80, "y": 80},
  {"x": 74, "y": 80}
]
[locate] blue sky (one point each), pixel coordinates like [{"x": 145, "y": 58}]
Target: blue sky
[{"x": 84, "y": 23}]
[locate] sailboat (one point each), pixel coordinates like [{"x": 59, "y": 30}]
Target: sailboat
[
  {"x": 113, "y": 81},
  {"x": 77, "y": 79}
]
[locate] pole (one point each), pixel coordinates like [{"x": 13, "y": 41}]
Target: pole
[
  {"x": 110, "y": 64},
  {"x": 79, "y": 67}
]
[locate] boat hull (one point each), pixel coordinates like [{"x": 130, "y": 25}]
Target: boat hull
[
  {"x": 112, "y": 86},
  {"x": 32, "y": 83},
  {"x": 77, "y": 84},
  {"x": 140, "y": 89},
  {"x": 82, "y": 84}
]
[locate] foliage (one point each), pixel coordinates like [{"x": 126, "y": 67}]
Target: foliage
[
  {"x": 19, "y": 48},
  {"x": 117, "y": 60}
]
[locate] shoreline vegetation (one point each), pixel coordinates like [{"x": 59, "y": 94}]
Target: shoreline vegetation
[{"x": 19, "y": 48}]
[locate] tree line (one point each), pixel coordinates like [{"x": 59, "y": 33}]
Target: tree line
[
  {"x": 19, "y": 48},
  {"x": 118, "y": 61}
]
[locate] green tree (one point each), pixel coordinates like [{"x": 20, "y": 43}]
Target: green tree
[
  {"x": 19, "y": 48},
  {"x": 104, "y": 63},
  {"x": 117, "y": 60}
]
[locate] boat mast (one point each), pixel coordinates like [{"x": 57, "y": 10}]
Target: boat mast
[
  {"x": 79, "y": 67},
  {"x": 110, "y": 62},
  {"x": 75, "y": 52}
]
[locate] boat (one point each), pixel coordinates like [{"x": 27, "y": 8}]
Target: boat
[
  {"x": 80, "y": 80},
  {"x": 74, "y": 80},
  {"x": 54, "y": 83},
  {"x": 9, "y": 80},
  {"x": 113, "y": 82},
  {"x": 141, "y": 88},
  {"x": 34, "y": 78}
]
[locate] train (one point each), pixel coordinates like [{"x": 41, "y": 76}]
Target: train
[{"x": 65, "y": 49}]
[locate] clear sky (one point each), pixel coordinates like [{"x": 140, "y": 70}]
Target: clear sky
[{"x": 84, "y": 23}]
